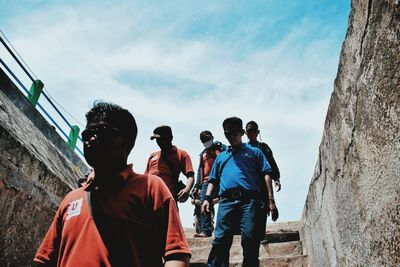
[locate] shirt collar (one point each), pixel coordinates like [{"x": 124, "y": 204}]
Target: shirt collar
[
  {"x": 241, "y": 147},
  {"x": 172, "y": 149},
  {"x": 118, "y": 178}
]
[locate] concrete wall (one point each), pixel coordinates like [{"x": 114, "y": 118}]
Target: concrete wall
[
  {"x": 352, "y": 212},
  {"x": 37, "y": 169}
]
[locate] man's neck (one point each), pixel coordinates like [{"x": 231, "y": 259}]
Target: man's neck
[
  {"x": 236, "y": 145},
  {"x": 166, "y": 148},
  {"x": 109, "y": 170}
]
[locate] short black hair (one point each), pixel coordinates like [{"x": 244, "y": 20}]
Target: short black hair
[
  {"x": 205, "y": 136},
  {"x": 232, "y": 123},
  {"x": 116, "y": 116},
  {"x": 252, "y": 125}
]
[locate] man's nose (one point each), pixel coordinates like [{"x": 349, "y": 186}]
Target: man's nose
[{"x": 92, "y": 141}]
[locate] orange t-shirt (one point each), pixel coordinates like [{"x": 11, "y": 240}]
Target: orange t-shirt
[
  {"x": 130, "y": 221},
  {"x": 207, "y": 161},
  {"x": 180, "y": 161}
]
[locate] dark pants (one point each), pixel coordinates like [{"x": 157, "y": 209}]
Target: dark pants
[
  {"x": 231, "y": 214},
  {"x": 207, "y": 222}
]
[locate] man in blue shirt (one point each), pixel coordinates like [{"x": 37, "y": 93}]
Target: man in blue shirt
[{"x": 238, "y": 171}]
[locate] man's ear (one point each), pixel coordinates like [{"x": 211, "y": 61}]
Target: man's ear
[{"x": 242, "y": 132}]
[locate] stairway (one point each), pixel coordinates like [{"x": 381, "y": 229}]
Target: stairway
[{"x": 281, "y": 247}]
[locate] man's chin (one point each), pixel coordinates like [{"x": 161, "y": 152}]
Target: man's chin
[{"x": 95, "y": 161}]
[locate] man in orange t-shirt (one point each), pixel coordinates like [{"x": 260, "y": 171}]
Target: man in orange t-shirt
[
  {"x": 169, "y": 163},
  {"x": 207, "y": 157},
  {"x": 119, "y": 218}
]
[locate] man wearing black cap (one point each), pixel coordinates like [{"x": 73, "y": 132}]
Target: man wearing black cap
[
  {"x": 207, "y": 157},
  {"x": 169, "y": 163},
  {"x": 252, "y": 133},
  {"x": 238, "y": 171}
]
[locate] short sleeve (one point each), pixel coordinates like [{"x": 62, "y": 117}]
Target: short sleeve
[
  {"x": 186, "y": 163},
  {"x": 262, "y": 162},
  {"x": 171, "y": 236},
  {"x": 213, "y": 174}
]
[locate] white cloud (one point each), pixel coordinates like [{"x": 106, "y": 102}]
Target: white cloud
[{"x": 80, "y": 54}]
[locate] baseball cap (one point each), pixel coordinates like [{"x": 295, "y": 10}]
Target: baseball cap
[{"x": 161, "y": 131}]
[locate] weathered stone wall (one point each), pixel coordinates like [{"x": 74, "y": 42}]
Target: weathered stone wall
[
  {"x": 37, "y": 169},
  {"x": 352, "y": 212}
]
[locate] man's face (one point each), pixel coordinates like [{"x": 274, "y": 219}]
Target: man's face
[
  {"x": 252, "y": 134},
  {"x": 233, "y": 135},
  {"x": 163, "y": 142},
  {"x": 103, "y": 144}
]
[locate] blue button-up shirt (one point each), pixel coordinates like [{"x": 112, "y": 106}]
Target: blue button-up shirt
[{"x": 242, "y": 171}]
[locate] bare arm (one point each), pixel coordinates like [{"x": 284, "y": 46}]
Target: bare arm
[
  {"x": 182, "y": 260},
  {"x": 183, "y": 195},
  {"x": 271, "y": 201},
  {"x": 205, "y": 208}
]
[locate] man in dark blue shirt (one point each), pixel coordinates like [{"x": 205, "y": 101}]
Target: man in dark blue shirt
[{"x": 238, "y": 171}]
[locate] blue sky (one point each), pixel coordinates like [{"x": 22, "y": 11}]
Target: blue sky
[{"x": 190, "y": 64}]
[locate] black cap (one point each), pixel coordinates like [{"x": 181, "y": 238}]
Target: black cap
[
  {"x": 252, "y": 125},
  {"x": 205, "y": 136},
  {"x": 162, "y": 131},
  {"x": 232, "y": 123}
]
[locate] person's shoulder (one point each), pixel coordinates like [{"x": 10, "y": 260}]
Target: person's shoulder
[
  {"x": 253, "y": 149},
  {"x": 182, "y": 152},
  {"x": 219, "y": 146},
  {"x": 202, "y": 152},
  {"x": 73, "y": 195},
  {"x": 155, "y": 155},
  {"x": 153, "y": 182},
  {"x": 153, "y": 189},
  {"x": 224, "y": 154},
  {"x": 265, "y": 147}
]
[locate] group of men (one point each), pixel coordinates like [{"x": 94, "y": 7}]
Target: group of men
[{"x": 122, "y": 218}]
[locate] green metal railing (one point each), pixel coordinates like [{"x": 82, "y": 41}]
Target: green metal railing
[{"x": 33, "y": 95}]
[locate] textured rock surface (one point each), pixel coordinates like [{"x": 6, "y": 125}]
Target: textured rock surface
[
  {"x": 37, "y": 169},
  {"x": 352, "y": 212}
]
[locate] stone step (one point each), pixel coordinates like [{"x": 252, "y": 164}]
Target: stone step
[
  {"x": 281, "y": 247},
  {"x": 270, "y": 237},
  {"x": 293, "y": 248},
  {"x": 290, "y": 261}
]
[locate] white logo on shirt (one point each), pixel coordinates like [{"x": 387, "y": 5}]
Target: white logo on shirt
[{"x": 74, "y": 208}]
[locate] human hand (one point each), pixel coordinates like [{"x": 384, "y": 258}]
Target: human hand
[
  {"x": 273, "y": 210},
  {"x": 195, "y": 192},
  {"x": 183, "y": 195},
  {"x": 278, "y": 185},
  {"x": 205, "y": 208}
]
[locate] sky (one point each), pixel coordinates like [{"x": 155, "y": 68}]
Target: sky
[{"x": 190, "y": 65}]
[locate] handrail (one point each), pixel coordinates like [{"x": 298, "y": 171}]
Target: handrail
[
  {"x": 16, "y": 59},
  {"x": 72, "y": 128},
  {"x": 39, "y": 105}
]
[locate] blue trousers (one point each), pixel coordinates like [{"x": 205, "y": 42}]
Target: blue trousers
[
  {"x": 233, "y": 214},
  {"x": 207, "y": 223}
]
